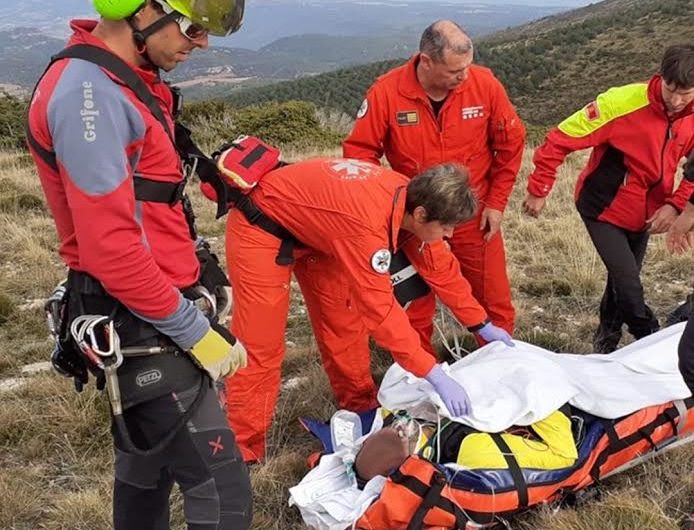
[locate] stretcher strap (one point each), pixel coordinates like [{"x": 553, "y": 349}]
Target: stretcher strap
[
  {"x": 642, "y": 433},
  {"x": 438, "y": 481},
  {"x": 423, "y": 490},
  {"x": 514, "y": 468}
]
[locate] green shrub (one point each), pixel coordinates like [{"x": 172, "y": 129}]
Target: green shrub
[
  {"x": 292, "y": 123},
  {"x": 12, "y": 121}
]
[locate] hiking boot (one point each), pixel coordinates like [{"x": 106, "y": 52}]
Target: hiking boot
[
  {"x": 682, "y": 312},
  {"x": 606, "y": 342}
]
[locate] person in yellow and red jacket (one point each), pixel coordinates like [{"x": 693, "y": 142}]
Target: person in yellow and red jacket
[
  {"x": 439, "y": 107},
  {"x": 639, "y": 133}
]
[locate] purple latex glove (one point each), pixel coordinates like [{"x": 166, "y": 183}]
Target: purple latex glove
[
  {"x": 452, "y": 394},
  {"x": 490, "y": 333}
]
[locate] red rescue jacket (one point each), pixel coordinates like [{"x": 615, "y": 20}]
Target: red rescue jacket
[
  {"x": 102, "y": 135},
  {"x": 353, "y": 210},
  {"x": 477, "y": 126},
  {"x": 636, "y": 151}
]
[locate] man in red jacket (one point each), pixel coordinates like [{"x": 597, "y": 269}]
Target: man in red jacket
[
  {"x": 436, "y": 108},
  {"x": 112, "y": 179},
  {"x": 350, "y": 217},
  {"x": 639, "y": 133}
]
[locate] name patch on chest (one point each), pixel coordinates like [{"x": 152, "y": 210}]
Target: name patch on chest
[
  {"x": 473, "y": 112},
  {"x": 407, "y": 117}
]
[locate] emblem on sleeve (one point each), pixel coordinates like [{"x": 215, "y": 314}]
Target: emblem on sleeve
[
  {"x": 592, "y": 111},
  {"x": 363, "y": 109},
  {"x": 380, "y": 261}
]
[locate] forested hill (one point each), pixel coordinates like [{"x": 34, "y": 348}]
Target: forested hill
[{"x": 550, "y": 67}]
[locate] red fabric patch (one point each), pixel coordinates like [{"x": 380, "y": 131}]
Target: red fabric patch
[
  {"x": 592, "y": 111},
  {"x": 245, "y": 161}
]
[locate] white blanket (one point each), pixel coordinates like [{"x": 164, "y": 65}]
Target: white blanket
[
  {"x": 519, "y": 386},
  {"x": 507, "y": 386}
]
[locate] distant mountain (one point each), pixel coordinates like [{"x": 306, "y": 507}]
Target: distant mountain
[
  {"x": 24, "y": 54},
  {"x": 550, "y": 67},
  {"x": 47, "y": 16},
  {"x": 292, "y": 57},
  {"x": 268, "y": 20},
  {"x": 280, "y": 39}
]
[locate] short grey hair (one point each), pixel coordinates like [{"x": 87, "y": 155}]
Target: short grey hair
[
  {"x": 434, "y": 41},
  {"x": 444, "y": 192}
]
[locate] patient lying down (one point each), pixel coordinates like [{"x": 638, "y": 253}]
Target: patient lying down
[{"x": 547, "y": 444}]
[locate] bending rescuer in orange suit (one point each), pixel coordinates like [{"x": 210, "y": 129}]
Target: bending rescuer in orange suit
[
  {"x": 349, "y": 217},
  {"x": 437, "y": 108}
]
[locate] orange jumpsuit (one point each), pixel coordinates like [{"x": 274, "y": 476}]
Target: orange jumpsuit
[
  {"x": 478, "y": 127},
  {"x": 348, "y": 216}
]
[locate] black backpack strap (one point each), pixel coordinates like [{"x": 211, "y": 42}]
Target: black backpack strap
[
  {"x": 204, "y": 166},
  {"x": 122, "y": 70},
  {"x": 256, "y": 216},
  {"x": 117, "y": 67},
  {"x": 146, "y": 190},
  {"x": 47, "y": 156}
]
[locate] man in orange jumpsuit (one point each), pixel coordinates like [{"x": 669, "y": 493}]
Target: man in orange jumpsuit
[
  {"x": 349, "y": 217},
  {"x": 436, "y": 108}
]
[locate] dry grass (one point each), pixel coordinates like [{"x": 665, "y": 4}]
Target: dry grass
[{"x": 55, "y": 453}]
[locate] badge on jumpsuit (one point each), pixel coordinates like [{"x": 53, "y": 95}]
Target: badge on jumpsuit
[
  {"x": 362, "y": 110},
  {"x": 380, "y": 261}
]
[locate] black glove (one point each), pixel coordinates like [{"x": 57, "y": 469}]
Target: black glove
[
  {"x": 211, "y": 273},
  {"x": 70, "y": 363}
]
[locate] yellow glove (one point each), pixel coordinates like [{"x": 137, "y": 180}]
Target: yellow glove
[{"x": 219, "y": 353}]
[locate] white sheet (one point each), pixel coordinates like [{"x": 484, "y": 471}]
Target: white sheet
[
  {"x": 507, "y": 386},
  {"x": 522, "y": 385}
]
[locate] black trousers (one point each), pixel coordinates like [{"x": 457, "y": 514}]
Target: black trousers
[
  {"x": 202, "y": 458},
  {"x": 623, "y": 302},
  {"x": 686, "y": 353}
]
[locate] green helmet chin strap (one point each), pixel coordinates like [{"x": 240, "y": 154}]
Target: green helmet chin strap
[{"x": 117, "y": 9}]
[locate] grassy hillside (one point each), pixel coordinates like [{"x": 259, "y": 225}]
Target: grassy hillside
[
  {"x": 550, "y": 67},
  {"x": 557, "y": 65},
  {"x": 55, "y": 454}
]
